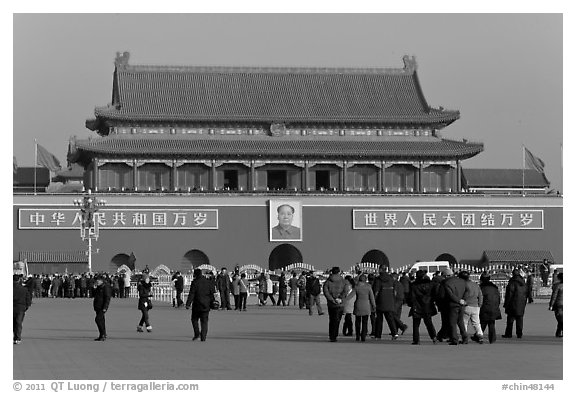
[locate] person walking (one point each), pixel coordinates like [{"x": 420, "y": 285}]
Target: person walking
[
  {"x": 371, "y": 278},
  {"x": 302, "y": 290},
  {"x": 102, "y": 294},
  {"x": 334, "y": 290},
  {"x": 293, "y": 285},
  {"x": 313, "y": 290},
  {"x": 223, "y": 283},
  {"x": 348, "y": 304},
  {"x": 557, "y": 304},
  {"x": 490, "y": 309},
  {"x": 22, "y": 300},
  {"x": 144, "y": 304},
  {"x": 243, "y": 292},
  {"x": 200, "y": 297},
  {"x": 385, "y": 304},
  {"x": 530, "y": 286},
  {"x": 454, "y": 288},
  {"x": 421, "y": 302},
  {"x": 400, "y": 295},
  {"x": 235, "y": 286},
  {"x": 179, "y": 287},
  {"x": 515, "y": 304},
  {"x": 473, "y": 298},
  {"x": 282, "y": 289},
  {"x": 268, "y": 289},
  {"x": 364, "y": 305}
]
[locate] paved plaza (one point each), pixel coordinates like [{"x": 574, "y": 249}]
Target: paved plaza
[{"x": 262, "y": 343}]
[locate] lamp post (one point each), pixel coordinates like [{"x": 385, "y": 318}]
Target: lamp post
[{"x": 89, "y": 205}]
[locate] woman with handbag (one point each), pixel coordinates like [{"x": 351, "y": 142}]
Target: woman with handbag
[{"x": 144, "y": 303}]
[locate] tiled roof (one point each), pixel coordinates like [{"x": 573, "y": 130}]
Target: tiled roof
[
  {"x": 278, "y": 147},
  {"x": 163, "y": 93},
  {"x": 518, "y": 256},
  {"x": 503, "y": 178},
  {"x": 54, "y": 256}
]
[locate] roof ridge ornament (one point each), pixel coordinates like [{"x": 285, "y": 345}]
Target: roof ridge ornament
[
  {"x": 410, "y": 64},
  {"x": 122, "y": 59}
]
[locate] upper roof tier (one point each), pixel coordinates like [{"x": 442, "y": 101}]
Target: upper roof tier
[{"x": 334, "y": 95}]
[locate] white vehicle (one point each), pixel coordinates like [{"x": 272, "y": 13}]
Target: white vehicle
[{"x": 430, "y": 267}]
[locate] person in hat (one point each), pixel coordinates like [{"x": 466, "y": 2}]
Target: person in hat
[
  {"x": 490, "y": 310},
  {"x": 22, "y": 300},
  {"x": 144, "y": 303},
  {"x": 557, "y": 304},
  {"x": 200, "y": 297},
  {"x": 334, "y": 291},
  {"x": 102, "y": 295},
  {"x": 515, "y": 304},
  {"x": 454, "y": 288}
]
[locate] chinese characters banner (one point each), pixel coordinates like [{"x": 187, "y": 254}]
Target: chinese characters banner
[
  {"x": 120, "y": 218},
  {"x": 447, "y": 219}
]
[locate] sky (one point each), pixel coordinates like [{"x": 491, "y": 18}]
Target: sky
[{"x": 503, "y": 72}]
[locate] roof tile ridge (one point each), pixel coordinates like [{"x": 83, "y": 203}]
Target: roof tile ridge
[{"x": 294, "y": 70}]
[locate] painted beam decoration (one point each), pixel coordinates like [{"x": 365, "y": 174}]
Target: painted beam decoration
[
  {"x": 447, "y": 219},
  {"x": 111, "y": 218}
]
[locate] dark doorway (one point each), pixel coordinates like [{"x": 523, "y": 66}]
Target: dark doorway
[
  {"x": 231, "y": 179},
  {"x": 284, "y": 255},
  {"x": 192, "y": 259},
  {"x": 447, "y": 257},
  {"x": 119, "y": 260},
  {"x": 322, "y": 180},
  {"x": 376, "y": 256},
  {"x": 277, "y": 180}
]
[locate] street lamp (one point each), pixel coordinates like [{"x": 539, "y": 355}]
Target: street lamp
[{"x": 89, "y": 230}]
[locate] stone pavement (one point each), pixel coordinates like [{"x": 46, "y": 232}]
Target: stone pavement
[{"x": 262, "y": 343}]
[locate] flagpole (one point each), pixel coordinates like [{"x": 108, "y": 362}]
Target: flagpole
[
  {"x": 35, "y": 162},
  {"x": 523, "y": 168}
]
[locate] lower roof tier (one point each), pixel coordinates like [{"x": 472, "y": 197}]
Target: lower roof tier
[{"x": 275, "y": 148}]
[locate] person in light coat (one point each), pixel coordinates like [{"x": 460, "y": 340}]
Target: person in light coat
[
  {"x": 473, "y": 298},
  {"x": 349, "y": 300},
  {"x": 364, "y": 306}
]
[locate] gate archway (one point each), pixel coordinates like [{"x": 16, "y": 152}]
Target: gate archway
[
  {"x": 192, "y": 259},
  {"x": 447, "y": 257},
  {"x": 118, "y": 260},
  {"x": 376, "y": 257},
  {"x": 284, "y": 255}
]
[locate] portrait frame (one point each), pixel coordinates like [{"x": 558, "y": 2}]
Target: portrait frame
[{"x": 291, "y": 235}]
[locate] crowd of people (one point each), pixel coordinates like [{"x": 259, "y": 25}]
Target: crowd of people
[
  {"x": 74, "y": 285},
  {"x": 467, "y": 309}
]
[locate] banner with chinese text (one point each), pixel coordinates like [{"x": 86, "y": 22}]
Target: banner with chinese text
[
  {"x": 447, "y": 219},
  {"x": 120, "y": 218}
]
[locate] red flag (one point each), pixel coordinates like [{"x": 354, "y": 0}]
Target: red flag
[
  {"x": 533, "y": 162},
  {"x": 47, "y": 159},
  {"x": 15, "y": 165}
]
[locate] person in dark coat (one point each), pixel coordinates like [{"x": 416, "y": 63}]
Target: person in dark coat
[
  {"x": 454, "y": 288},
  {"x": 515, "y": 304},
  {"x": 224, "y": 284},
  {"x": 144, "y": 304},
  {"x": 282, "y": 289},
  {"x": 102, "y": 295},
  {"x": 371, "y": 278},
  {"x": 557, "y": 304},
  {"x": 405, "y": 281},
  {"x": 530, "y": 286},
  {"x": 334, "y": 291},
  {"x": 421, "y": 302},
  {"x": 490, "y": 310},
  {"x": 22, "y": 300},
  {"x": 400, "y": 296},
  {"x": 200, "y": 296},
  {"x": 179, "y": 286},
  {"x": 364, "y": 305},
  {"x": 385, "y": 304}
]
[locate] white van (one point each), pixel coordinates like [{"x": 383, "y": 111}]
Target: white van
[{"x": 431, "y": 267}]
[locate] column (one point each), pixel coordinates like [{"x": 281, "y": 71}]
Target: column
[
  {"x": 96, "y": 175},
  {"x": 135, "y": 174},
  {"x": 344, "y": 175},
  {"x": 213, "y": 176},
  {"x": 174, "y": 177},
  {"x": 252, "y": 176},
  {"x": 381, "y": 177},
  {"x": 305, "y": 177},
  {"x": 419, "y": 178},
  {"x": 458, "y": 177}
]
